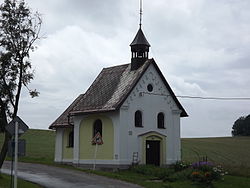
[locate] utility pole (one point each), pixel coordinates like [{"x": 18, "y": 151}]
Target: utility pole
[{"x": 16, "y": 154}]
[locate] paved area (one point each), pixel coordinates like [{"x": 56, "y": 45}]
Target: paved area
[{"x": 55, "y": 177}]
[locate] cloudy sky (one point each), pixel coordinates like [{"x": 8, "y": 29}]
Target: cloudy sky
[{"x": 201, "y": 46}]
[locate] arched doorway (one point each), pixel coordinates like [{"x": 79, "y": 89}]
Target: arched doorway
[{"x": 153, "y": 150}]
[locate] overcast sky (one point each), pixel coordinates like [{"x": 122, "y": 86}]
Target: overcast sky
[{"x": 201, "y": 46}]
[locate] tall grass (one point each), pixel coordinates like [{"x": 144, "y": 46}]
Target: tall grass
[{"x": 233, "y": 153}]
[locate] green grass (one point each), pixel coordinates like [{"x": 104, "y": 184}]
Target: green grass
[
  {"x": 232, "y": 153},
  {"x": 5, "y": 182},
  {"x": 40, "y": 146},
  {"x": 147, "y": 181}
]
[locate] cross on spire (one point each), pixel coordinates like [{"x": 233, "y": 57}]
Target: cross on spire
[
  {"x": 139, "y": 46},
  {"x": 140, "y": 13}
]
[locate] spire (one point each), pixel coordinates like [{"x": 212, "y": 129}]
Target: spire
[
  {"x": 140, "y": 39},
  {"x": 139, "y": 46}
]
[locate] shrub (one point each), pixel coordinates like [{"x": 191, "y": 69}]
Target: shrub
[
  {"x": 206, "y": 172},
  {"x": 200, "y": 172},
  {"x": 181, "y": 165},
  {"x": 180, "y": 175}
]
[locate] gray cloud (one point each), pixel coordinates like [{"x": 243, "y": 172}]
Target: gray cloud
[{"x": 202, "y": 47}]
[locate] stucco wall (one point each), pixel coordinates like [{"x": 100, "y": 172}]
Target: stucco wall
[
  {"x": 150, "y": 104},
  {"x": 86, "y": 148},
  {"x": 67, "y": 151}
]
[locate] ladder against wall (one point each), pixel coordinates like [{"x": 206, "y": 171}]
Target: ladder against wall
[{"x": 135, "y": 160}]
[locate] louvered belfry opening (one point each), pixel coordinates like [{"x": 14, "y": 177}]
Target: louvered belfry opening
[{"x": 139, "y": 50}]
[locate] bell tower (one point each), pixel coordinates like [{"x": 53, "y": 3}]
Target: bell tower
[{"x": 139, "y": 47}]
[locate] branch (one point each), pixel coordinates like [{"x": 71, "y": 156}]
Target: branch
[
  {"x": 37, "y": 28},
  {"x": 9, "y": 93}
]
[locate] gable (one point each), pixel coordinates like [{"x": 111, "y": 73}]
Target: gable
[
  {"x": 112, "y": 87},
  {"x": 160, "y": 88}
]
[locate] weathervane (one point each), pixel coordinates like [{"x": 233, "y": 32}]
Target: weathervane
[{"x": 140, "y": 12}]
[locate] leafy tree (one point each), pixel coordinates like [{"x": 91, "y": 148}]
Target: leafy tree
[
  {"x": 19, "y": 29},
  {"x": 241, "y": 126}
]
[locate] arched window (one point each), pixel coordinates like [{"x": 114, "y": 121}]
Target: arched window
[
  {"x": 160, "y": 120},
  {"x": 97, "y": 127},
  {"x": 138, "y": 118},
  {"x": 71, "y": 139}
]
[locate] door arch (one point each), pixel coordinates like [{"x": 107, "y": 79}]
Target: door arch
[{"x": 153, "y": 150}]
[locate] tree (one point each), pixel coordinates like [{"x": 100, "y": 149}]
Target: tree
[
  {"x": 241, "y": 126},
  {"x": 19, "y": 29}
]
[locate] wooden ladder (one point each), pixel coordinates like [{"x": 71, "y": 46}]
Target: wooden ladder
[{"x": 135, "y": 158}]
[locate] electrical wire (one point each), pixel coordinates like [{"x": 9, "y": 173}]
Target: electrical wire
[
  {"x": 200, "y": 97},
  {"x": 213, "y": 98}
]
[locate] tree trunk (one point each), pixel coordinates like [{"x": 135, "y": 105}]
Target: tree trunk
[
  {"x": 4, "y": 148},
  {"x": 7, "y": 136}
]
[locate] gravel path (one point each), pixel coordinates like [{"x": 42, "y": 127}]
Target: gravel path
[{"x": 55, "y": 177}]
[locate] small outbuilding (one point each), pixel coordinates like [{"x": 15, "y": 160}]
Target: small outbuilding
[{"x": 134, "y": 110}]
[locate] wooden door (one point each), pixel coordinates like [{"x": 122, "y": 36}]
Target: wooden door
[{"x": 153, "y": 152}]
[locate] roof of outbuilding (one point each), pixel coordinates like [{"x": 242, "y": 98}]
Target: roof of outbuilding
[{"x": 108, "y": 92}]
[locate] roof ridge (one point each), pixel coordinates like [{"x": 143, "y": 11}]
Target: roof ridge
[{"x": 116, "y": 66}]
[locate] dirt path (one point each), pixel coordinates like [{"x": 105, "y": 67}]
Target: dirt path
[{"x": 55, "y": 177}]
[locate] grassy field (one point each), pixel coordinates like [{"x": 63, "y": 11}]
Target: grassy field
[
  {"x": 40, "y": 146},
  {"x": 232, "y": 153}
]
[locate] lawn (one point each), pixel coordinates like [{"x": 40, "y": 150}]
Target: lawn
[
  {"x": 232, "y": 153},
  {"x": 5, "y": 182},
  {"x": 149, "y": 181},
  {"x": 40, "y": 146}
]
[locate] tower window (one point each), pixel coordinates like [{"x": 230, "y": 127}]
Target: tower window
[
  {"x": 71, "y": 139},
  {"x": 97, "y": 127},
  {"x": 150, "y": 87},
  {"x": 138, "y": 118},
  {"x": 140, "y": 54},
  {"x": 160, "y": 121}
]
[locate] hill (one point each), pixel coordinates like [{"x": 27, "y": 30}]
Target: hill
[
  {"x": 40, "y": 146},
  {"x": 233, "y": 153}
]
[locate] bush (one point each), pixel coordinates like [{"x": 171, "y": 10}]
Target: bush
[
  {"x": 200, "y": 172},
  {"x": 180, "y": 175},
  {"x": 181, "y": 165},
  {"x": 206, "y": 172}
]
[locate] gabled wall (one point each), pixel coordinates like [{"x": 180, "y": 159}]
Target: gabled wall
[{"x": 150, "y": 104}]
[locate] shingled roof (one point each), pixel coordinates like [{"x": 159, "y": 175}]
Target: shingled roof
[
  {"x": 140, "y": 39},
  {"x": 108, "y": 92}
]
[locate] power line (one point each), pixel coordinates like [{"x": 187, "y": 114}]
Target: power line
[
  {"x": 199, "y": 97},
  {"x": 213, "y": 98}
]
